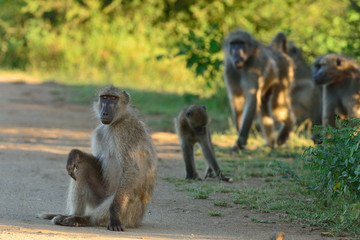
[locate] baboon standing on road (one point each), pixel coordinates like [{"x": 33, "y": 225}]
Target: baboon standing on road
[
  {"x": 257, "y": 77},
  {"x": 114, "y": 184},
  {"x": 192, "y": 126},
  {"x": 340, "y": 77}
]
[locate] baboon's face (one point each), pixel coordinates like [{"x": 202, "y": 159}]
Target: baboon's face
[
  {"x": 238, "y": 46},
  {"x": 327, "y": 69},
  {"x": 108, "y": 107},
  {"x": 197, "y": 118},
  {"x": 238, "y": 53}
]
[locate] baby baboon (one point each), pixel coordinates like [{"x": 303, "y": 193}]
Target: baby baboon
[
  {"x": 340, "y": 77},
  {"x": 257, "y": 77},
  {"x": 192, "y": 126},
  {"x": 305, "y": 94},
  {"x": 114, "y": 184}
]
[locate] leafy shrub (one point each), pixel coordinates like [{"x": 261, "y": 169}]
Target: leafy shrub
[{"x": 334, "y": 166}]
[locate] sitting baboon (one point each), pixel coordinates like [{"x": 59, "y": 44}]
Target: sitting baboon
[
  {"x": 305, "y": 94},
  {"x": 192, "y": 126},
  {"x": 340, "y": 77},
  {"x": 114, "y": 184},
  {"x": 257, "y": 77}
]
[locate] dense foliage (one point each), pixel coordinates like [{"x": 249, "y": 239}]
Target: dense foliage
[
  {"x": 334, "y": 166},
  {"x": 334, "y": 170},
  {"x": 119, "y": 41}
]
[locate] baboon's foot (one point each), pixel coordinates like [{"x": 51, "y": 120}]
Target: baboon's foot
[
  {"x": 210, "y": 173},
  {"x": 116, "y": 227},
  {"x": 225, "y": 179},
  {"x": 193, "y": 176},
  {"x": 72, "y": 221},
  {"x": 283, "y": 136},
  {"x": 237, "y": 147}
]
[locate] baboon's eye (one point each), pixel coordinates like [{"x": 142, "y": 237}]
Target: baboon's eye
[
  {"x": 113, "y": 97},
  {"x": 104, "y": 97}
]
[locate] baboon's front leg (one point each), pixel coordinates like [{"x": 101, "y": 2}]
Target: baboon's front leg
[
  {"x": 115, "y": 223},
  {"x": 237, "y": 106},
  {"x": 187, "y": 150},
  {"x": 247, "y": 119},
  {"x": 209, "y": 154}
]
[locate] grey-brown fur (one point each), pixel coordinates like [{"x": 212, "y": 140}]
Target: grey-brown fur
[
  {"x": 192, "y": 127},
  {"x": 257, "y": 78},
  {"x": 305, "y": 94},
  {"x": 113, "y": 185},
  {"x": 339, "y": 76}
]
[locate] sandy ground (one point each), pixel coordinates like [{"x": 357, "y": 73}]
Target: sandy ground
[{"x": 37, "y": 130}]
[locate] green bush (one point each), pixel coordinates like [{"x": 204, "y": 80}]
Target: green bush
[{"x": 334, "y": 166}]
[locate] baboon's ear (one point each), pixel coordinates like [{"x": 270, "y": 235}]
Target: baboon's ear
[
  {"x": 126, "y": 98},
  {"x": 188, "y": 113},
  {"x": 338, "y": 61},
  {"x": 204, "y": 107}
]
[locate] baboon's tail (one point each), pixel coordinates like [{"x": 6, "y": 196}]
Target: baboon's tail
[{"x": 48, "y": 216}]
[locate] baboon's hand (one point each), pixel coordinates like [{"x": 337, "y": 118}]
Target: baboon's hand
[
  {"x": 222, "y": 177},
  {"x": 72, "y": 163},
  {"x": 226, "y": 179}
]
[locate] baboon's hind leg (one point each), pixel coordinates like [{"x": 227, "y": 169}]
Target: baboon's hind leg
[{"x": 283, "y": 113}]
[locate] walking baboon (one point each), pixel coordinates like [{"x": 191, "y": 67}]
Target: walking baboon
[
  {"x": 340, "y": 77},
  {"x": 114, "y": 184},
  {"x": 257, "y": 77},
  {"x": 305, "y": 94},
  {"x": 192, "y": 126}
]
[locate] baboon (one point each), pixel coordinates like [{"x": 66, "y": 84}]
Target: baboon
[
  {"x": 192, "y": 126},
  {"x": 305, "y": 94},
  {"x": 257, "y": 77},
  {"x": 340, "y": 77},
  {"x": 114, "y": 184},
  {"x": 280, "y": 43}
]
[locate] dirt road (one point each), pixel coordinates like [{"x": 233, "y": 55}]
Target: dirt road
[{"x": 37, "y": 130}]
